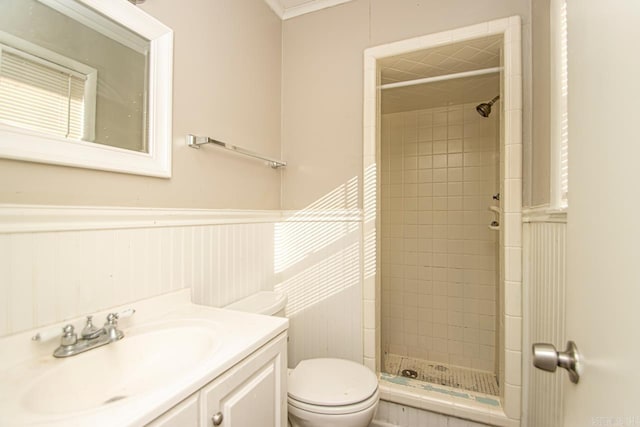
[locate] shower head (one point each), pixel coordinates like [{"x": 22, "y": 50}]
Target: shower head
[{"x": 484, "y": 109}]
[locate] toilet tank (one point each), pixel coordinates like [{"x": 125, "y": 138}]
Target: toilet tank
[{"x": 270, "y": 303}]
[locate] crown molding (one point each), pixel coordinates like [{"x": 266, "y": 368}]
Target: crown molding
[
  {"x": 310, "y": 6},
  {"x": 276, "y": 6}
]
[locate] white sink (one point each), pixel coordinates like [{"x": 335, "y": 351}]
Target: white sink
[
  {"x": 171, "y": 349},
  {"x": 146, "y": 359}
]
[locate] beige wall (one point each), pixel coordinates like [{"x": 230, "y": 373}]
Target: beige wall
[
  {"x": 227, "y": 70},
  {"x": 541, "y": 74},
  {"x": 322, "y": 80}
]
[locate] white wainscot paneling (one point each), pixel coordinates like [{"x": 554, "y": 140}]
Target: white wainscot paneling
[
  {"x": 47, "y": 277},
  {"x": 318, "y": 265},
  {"x": 545, "y": 249},
  {"x": 63, "y": 262},
  {"x": 391, "y": 414}
]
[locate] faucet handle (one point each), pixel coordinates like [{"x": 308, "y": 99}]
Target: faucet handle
[
  {"x": 69, "y": 337},
  {"x": 126, "y": 313},
  {"x": 111, "y": 327},
  {"x": 112, "y": 319},
  {"x": 46, "y": 335}
]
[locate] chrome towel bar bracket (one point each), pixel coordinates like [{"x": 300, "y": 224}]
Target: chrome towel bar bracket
[{"x": 196, "y": 141}]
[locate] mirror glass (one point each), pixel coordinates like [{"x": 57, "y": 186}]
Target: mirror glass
[
  {"x": 86, "y": 83},
  {"x": 68, "y": 71}
]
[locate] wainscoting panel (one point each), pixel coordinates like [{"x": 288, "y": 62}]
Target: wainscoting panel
[
  {"x": 391, "y": 414},
  {"x": 240, "y": 262},
  {"x": 318, "y": 265},
  {"x": 46, "y": 277},
  {"x": 58, "y": 263},
  {"x": 545, "y": 250}
]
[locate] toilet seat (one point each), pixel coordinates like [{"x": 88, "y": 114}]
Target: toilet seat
[
  {"x": 336, "y": 410},
  {"x": 332, "y": 386}
]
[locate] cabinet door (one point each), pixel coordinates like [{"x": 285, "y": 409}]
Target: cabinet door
[
  {"x": 184, "y": 414},
  {"x": 252, "y": 393}
]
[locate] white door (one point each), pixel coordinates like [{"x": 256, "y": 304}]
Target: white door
[{"x": 603, "y": 234}]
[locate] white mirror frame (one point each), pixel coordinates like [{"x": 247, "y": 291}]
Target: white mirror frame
[{"x": 29, "y": 146}]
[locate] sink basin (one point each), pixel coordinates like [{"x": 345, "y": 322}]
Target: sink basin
[
  {"x": 149, "y": 358},
  {"x": 172, "y": 348}
]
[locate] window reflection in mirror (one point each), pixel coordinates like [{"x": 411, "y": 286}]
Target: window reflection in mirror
[{"x": 72, "y": 74}]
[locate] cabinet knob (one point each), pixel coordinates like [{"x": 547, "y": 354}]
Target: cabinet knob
[{"x": 217, "y": 419}]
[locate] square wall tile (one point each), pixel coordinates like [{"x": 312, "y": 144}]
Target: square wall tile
[
  {"x": 512, "y": 401},
  {"x": 444, "y": 237},
  {"x": 513, "y": 264},
  {"x": 513, "y": 299},
  {"x": 513, "y": 368},
  {"x": 513, "y": 333}
]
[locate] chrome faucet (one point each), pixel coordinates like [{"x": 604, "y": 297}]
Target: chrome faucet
[{"x": 90, "y": 337}]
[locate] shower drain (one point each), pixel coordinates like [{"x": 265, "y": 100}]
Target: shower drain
[
  {"x": 440, "y": 373},
  {"x": 409, "y": 373}
]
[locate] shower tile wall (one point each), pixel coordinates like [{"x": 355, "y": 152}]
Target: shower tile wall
[{"x": 439, "y": 259}]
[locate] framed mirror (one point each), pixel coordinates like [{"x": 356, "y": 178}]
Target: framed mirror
[{"x": 85, "y": 83}]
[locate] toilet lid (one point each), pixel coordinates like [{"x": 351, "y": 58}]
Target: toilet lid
[{"x": 331, "y": 382}]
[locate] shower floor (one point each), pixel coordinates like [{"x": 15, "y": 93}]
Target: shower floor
[{"x": 442, "y": 374}]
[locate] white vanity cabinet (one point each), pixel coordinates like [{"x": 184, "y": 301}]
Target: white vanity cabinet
[
  {"x": 185, "y": 413},
  {"x": 252, "y": 393}
]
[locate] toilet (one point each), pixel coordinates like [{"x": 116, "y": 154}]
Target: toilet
[{"x": 321, "y": 392}]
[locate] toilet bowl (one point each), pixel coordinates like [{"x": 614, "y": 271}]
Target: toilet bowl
[
  {"x": 321, "y": 392},
  {"x": 331, "y": 393}
]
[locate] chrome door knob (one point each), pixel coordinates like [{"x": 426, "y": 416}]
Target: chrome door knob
[
  {"x": 546, "y": 357},
  {"x": 217, "y": 419}
]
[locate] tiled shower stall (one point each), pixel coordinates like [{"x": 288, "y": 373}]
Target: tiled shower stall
[{"x": 439, "y": 257}]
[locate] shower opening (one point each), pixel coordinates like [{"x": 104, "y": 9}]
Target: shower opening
[{"x": 439, "y": 248}]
